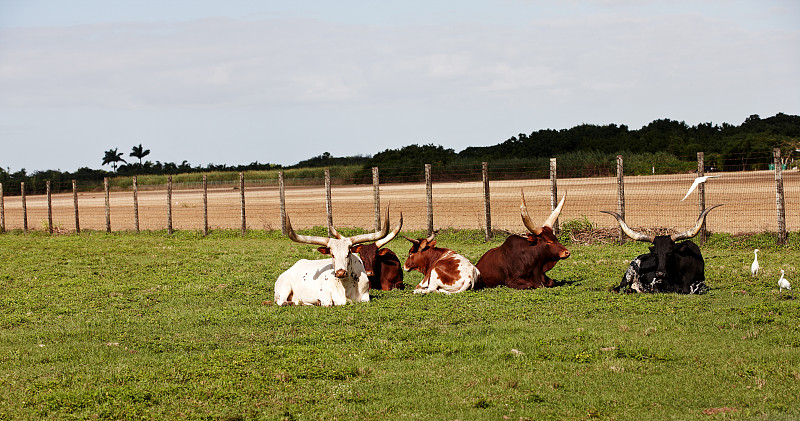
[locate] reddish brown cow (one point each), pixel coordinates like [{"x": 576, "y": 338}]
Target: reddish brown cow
[
  {"x": 382, "y": 265},
  {"x": 444, "y": 270},
  {"x": 521, "y": 262}
]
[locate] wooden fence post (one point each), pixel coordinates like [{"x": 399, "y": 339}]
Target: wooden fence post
[
  {"x": 554, "y": 192},
  {"x": 24, "y": 207},
  {"x": 701, "y": 196},
  {"x": 621, "y": 195},
  {"x": 487, "y": 210},
  {"x": 108, "y": 205},
  {"x": 241, "y": 193},
  {"x": 205, "y": 204},
  {"x": 75, "y": 203},
  {"x": 169, "y": 204},
  {"x": 2, "y": 211},
  {"x": 282, "y": 193},
  {"x": 779, "y": 197},
  {"x": 377, "y": 197},
  {"x": 429, "y": 189},
  {"x": 49, "y": 208},
  {"x": 328, "y": 201},
  {"x": 136, "y": 203}
]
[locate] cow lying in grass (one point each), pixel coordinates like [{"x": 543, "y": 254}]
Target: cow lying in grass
[
  {"x": 326, "y": 282},
  {"x": 521, "y": 262},
  {"x": 383, "y": 268},
  {"x": 670, "y": 266},
  {"x": 443, "y": 269}
]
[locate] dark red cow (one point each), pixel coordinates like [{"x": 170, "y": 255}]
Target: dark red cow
[
  {"x": 382, "y": 265},
  {"x": 521, "y": 262}
]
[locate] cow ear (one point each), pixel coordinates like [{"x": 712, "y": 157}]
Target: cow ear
[
  {"x": 356, "y": 248},
  {"x": 324, "y": 250},
  {"x": 533, "y": 239},
  {"x": 432, "y": 243},
  {"x": 382, "y": 252}
]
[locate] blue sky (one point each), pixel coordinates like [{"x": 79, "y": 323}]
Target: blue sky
[{"x": 241, "y": 81}]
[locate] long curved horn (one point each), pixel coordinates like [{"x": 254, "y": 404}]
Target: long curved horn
[
  {"x": 305, "y": 239},
  {"x": 374, "y": 236},
  {"x": 628, "y": 231},
  {"x": 553, "y": 216},
  {"x": 383, "y": 241},
  {"x": 526, "y": 219},
  {"x": 692, "y": 232}
]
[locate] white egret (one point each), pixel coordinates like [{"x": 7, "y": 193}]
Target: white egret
[
  {"x": 783, "y": 283},
  {"x": 697, "y": 182},
  {"x": 755, "y": 266}
]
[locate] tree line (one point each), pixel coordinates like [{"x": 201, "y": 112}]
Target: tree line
[
  {"x": 583, "y": 150},
  {"x": 726, "y": 144},
  {"x": 663, "y": 146}
]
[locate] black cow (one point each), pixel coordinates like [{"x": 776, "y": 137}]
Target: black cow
[{"x": 670, "y": 266}]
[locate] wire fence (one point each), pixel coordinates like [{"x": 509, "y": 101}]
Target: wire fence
[{"x": 651, "y": 201}]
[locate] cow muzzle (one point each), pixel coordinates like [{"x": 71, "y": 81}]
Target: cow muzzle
[
  {"x": 564, "y": 254},
  {"x": 661, "y": 274},
  {"x": 370, "y": 273},
  {"x": 341, "y": 273}
]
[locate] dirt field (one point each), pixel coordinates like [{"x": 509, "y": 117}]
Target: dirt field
[{"x": 650, "y": 201}]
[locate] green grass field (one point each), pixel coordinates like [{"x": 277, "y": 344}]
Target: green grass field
[{"x": 151, "y": 326}]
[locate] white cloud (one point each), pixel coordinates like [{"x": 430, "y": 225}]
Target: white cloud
[{"x": 214, "y": 63}]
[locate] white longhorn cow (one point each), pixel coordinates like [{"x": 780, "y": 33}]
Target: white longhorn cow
[{"x": 333, "y": 281}]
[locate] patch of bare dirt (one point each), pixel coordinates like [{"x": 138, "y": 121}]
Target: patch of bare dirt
[{"x": 715, "y": 411}]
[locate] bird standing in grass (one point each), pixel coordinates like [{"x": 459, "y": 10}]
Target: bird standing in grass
[
  {"x": 754, "y": 267},
  {"x": 696, "y": 183},
  {"x": 783, "y": 283}
]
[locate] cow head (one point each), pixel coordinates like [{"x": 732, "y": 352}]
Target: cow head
[
  {"x": 339, "y": 247},
  {"x": 416, "y": 257},
  {"x": 369, "y": 252},
  {"x": 543, "y": 236},
  {"x": 663, "y": 245}
]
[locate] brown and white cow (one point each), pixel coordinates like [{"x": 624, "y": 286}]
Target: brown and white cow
[
  {"x": 521, "y": 262},
  {"x": 382, "y": 265},
  {"x": 327, "y": 282},
  {"x": 443, "y": 269}
]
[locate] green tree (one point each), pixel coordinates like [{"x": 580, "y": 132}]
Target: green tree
[
  {"x": 113, "y": 157},
  {"x": 788, "y": 147},
  {"x": 140, "y": 152}
]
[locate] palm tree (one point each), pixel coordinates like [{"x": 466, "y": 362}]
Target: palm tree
[
  {"x": 112, "y": 157},
  {"x": 140, "y": 153}
]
